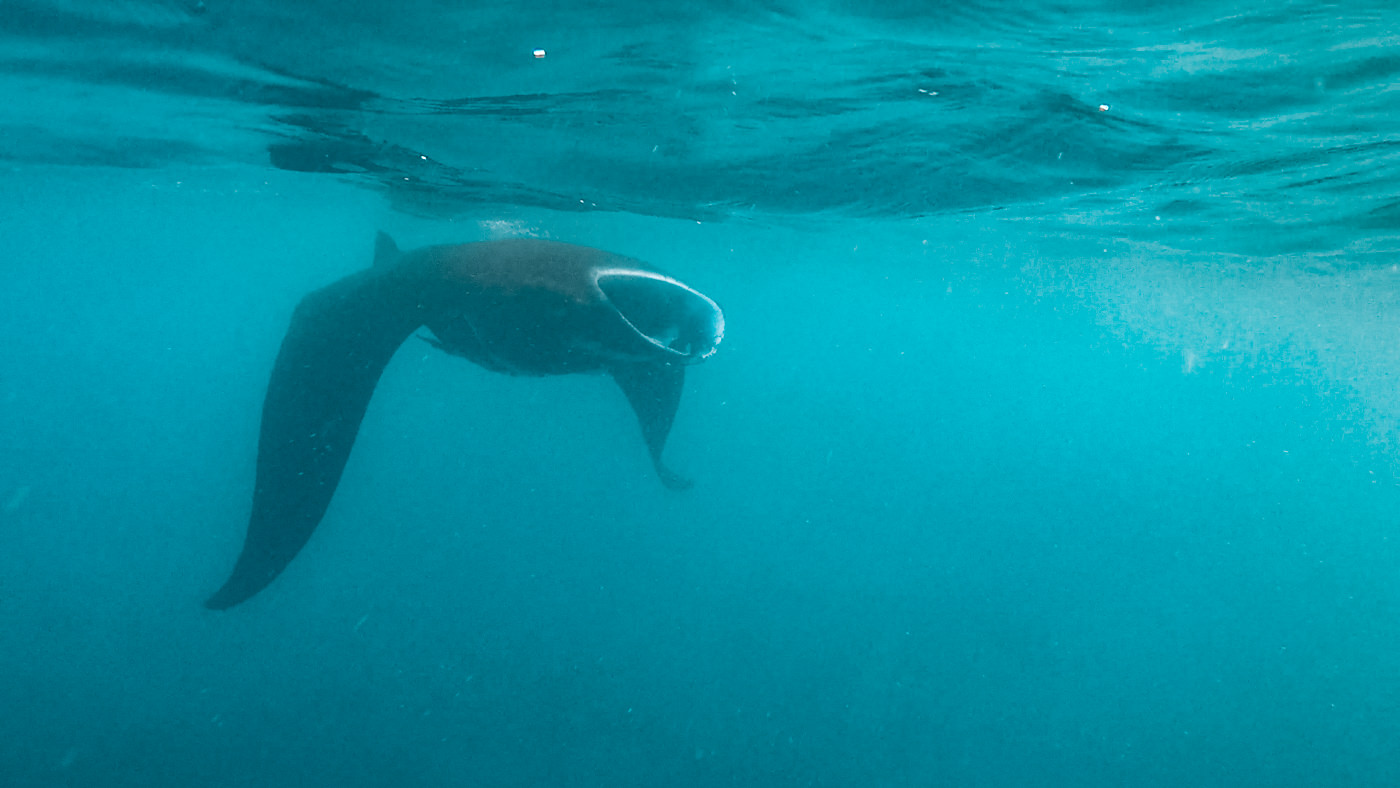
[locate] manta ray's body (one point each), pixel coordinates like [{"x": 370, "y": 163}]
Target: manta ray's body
[{"x": 522, "y": 306}]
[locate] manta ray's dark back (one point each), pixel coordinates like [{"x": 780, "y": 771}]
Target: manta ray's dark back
[{"x": 521, "y": 306}]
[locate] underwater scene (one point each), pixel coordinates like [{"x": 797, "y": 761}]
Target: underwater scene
[{"x": 699, "y": 394}]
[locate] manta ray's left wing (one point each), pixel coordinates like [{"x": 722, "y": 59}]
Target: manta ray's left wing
[
  {"x": 655, "y": 392},
  {"x": 340, "y": 339}
]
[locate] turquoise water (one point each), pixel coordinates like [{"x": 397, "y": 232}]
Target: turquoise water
[{"x": 1052, "y": 440}]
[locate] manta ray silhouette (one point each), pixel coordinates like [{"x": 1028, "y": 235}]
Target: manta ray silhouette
[{"x": 523, "y": 307}]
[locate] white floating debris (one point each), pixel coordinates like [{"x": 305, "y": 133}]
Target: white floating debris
[
  {"x": 539, "y": 54},
  {"x": 1103, "y": 108}
]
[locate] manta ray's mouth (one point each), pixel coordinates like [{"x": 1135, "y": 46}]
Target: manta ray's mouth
[{"x": 671, "y": 315}]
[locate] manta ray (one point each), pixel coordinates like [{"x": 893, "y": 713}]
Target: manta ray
[{"x": 521, "y": 306}]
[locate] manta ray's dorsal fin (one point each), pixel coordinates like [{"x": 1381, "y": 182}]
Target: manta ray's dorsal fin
[{"x": 386, "y": 252}]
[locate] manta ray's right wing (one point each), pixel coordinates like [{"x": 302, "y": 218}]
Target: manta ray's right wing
[{"x": 340, "y": 339}]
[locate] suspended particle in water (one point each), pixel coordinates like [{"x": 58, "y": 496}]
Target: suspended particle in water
[
  {"x": 16, "y": 499},
  {"x": 1103, "y": 108},
  {"x": 539, "y": 54}
]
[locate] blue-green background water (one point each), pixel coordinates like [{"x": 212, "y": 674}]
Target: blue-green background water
[{"x": 1048, "y": 444}]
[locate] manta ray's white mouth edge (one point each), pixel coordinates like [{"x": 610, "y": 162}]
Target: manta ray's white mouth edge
[{"x": 715, "y": 316}]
